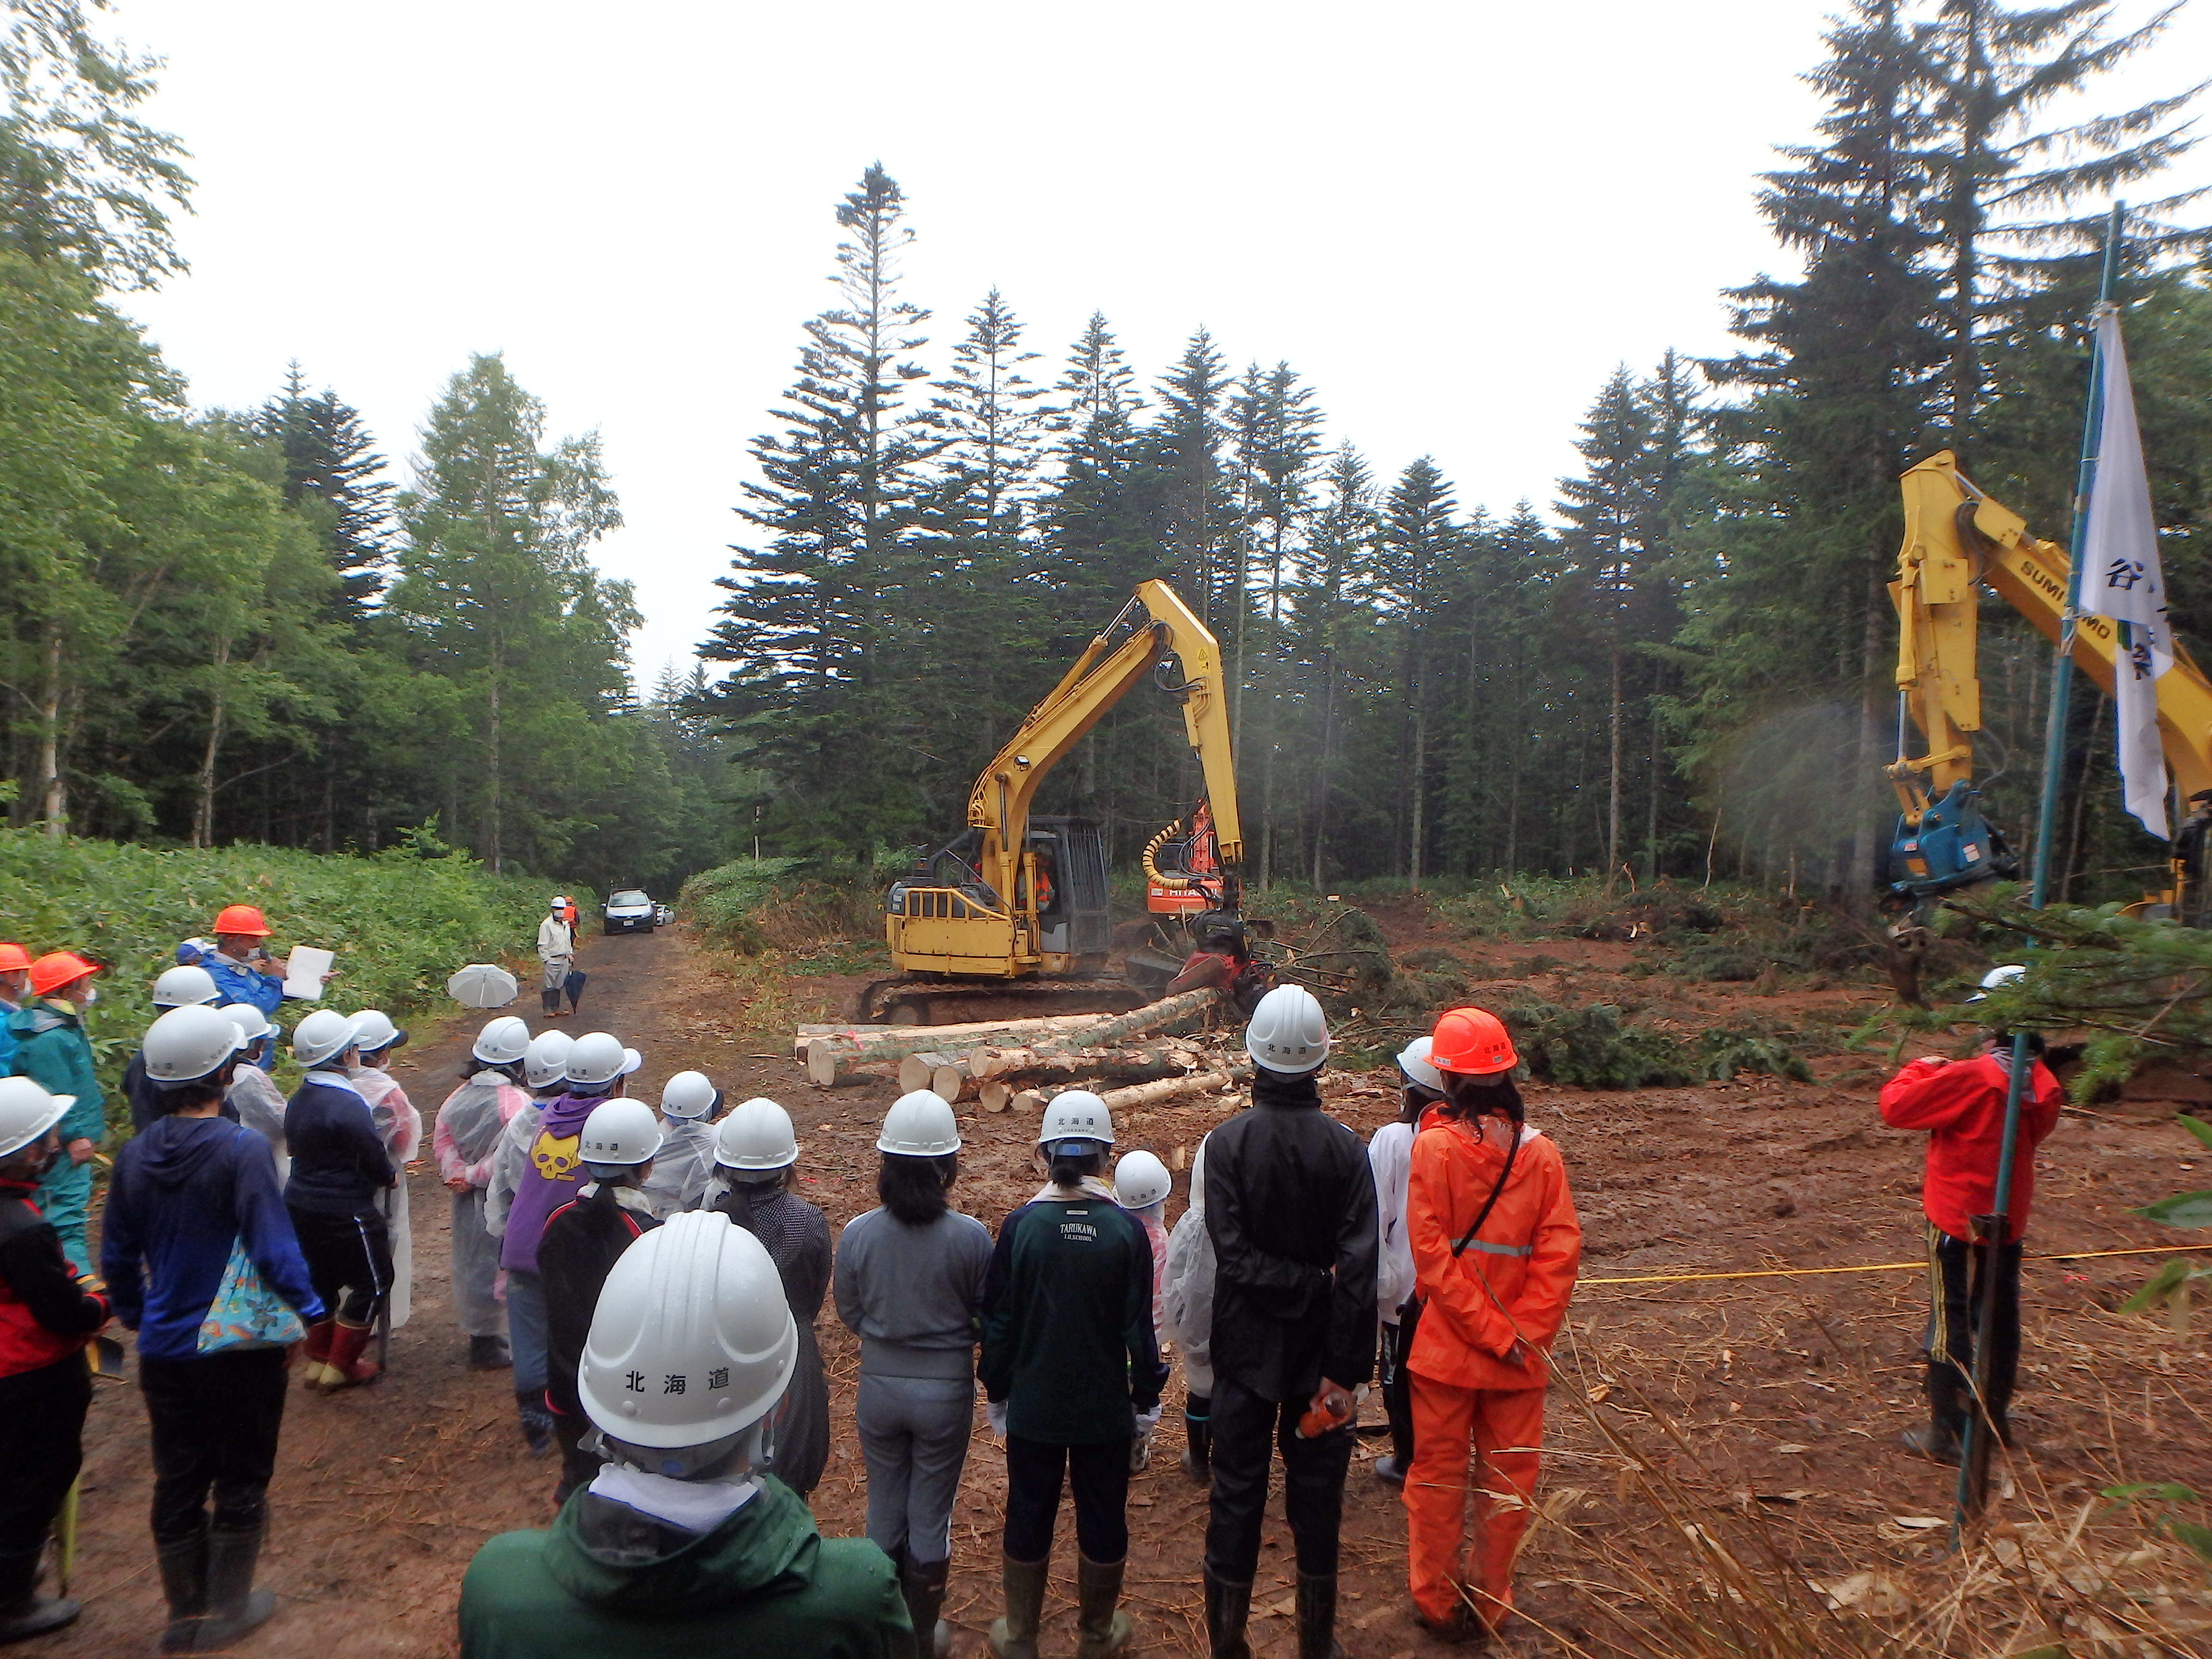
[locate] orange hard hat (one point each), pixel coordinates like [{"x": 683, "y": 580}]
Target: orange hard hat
[
  {"x": 241, "y": 919},
  {"x": 1472, "y": 1042},
  {"x": 56, "y": 968},
  {"x": 13, "y": 959}
]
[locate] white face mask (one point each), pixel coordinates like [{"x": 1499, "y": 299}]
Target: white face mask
[{"x": 90, "y": 996}]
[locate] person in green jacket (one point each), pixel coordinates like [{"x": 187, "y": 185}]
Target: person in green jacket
[
  {"x": 51, "y": 1049},
  {"x": 678, "y": 1549}
]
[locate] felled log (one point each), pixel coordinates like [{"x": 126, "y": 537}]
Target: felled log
[
  {"x": 1174, "y": 1088},
  {"x": 1137, "y": 1064},
  {"x": 956, "y": 1036},
  {"x": 829, "y": 1058},
  {"x": 944, "y": 1074}
]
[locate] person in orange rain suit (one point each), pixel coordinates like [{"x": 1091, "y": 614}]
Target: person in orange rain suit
[{"x": 1496, "y": 1245}]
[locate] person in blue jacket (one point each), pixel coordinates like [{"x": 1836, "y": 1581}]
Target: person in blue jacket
[{"x": 193, "y": 1198}]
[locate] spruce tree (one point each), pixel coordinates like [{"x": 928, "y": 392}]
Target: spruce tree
[
  {"x": 825, "y": 624},
  {"x": 330, "y": 462},
  {"x": 1417, "y": 546},
  {"x": 1200, "y": 523},
  {"x": 1341, "y": 560},
  {"x": 1609, "y": 508}
]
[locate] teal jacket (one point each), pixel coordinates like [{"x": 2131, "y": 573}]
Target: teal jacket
[
  {"x": 608, "y": 1582},
  {"x": 51, "y": 1048}
]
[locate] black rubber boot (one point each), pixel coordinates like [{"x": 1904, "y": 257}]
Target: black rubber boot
[
  {"x": 1946, "y": 1416},
  {"x": 537, "y": 1421},
  {"x": 922, "y": 1585},
  {"x": 234, "y": 1607},
  {"x": 549, "y": 1003},
  {"x": 183, "y": 1564},
  {"x": 23, "y": 1612},
  {"x": 1014, "y": 1636},
  {"x": 1198, "y": 1448},
  {"x": 490, "y": 1353},
  {"x": 1228, "y": 1610},
  {"x": 1317, "y": 1617},
  {"x": 1102, "y": 1629}
]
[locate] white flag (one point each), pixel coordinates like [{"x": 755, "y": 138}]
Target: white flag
[{"x": 2121, "y": 579}]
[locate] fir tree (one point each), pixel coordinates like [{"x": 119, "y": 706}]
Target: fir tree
[{"x": 1419, "y": 541}]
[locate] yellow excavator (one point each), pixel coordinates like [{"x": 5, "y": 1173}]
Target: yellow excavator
[
  {"x": 1958, "y": 540},
  {"x": 1016, "y": 905}
]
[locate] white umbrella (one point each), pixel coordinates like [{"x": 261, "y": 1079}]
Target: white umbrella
[{"x": 482, "y": 985}]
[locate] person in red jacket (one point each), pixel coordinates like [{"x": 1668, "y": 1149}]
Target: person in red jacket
[
  {"x": 1495, "y": 1246},
  {"x": 46, "y": 1317},
  {"x": 1961, "y": 1105}
]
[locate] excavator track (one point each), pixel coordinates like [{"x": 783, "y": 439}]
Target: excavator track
[{"x": 903, "y": 1001}]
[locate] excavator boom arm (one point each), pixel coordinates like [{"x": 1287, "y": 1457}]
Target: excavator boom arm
[
  {"x": 1956, "y": 537},
  {"x": 998, "y": 801}
]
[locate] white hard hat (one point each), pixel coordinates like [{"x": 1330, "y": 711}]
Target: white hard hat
[
  {"x": 545, "y": 1062},
  {"x": 252, "y": 1024},
  {"x": 692, "y": 1340},
  {"x": 689, "y": 1094},
  {"x": 1414, "y": 1060},
  {"x": 1140, "y": 1180},
  {"x": 1287, "y": 1033},
  {"x": 184, "y": 987},
  {"x": 619, "y": 1132},
  {"x": 559, "y": 901},
  {"x": 599, "y": 1057},
  {"x": 1076, "y": 1114},
  {"x": 919, "y": 1124},
  {"x": 506, "y": 1039},
  {"x": 186, "y": 1044},
  {"x": 1997, "y": 978},
  {"x": 28, "y": 1111},
  {"x": 755, "y": 1135},
  {"x": 323, "y": 1035},
  {"x": 373, "y": 1030}
]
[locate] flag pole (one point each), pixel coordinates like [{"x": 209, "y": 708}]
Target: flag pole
[{"x": 1990, "y": 1230}]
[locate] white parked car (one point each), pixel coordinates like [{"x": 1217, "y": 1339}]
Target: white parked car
[{"x": 631, "y": 912}]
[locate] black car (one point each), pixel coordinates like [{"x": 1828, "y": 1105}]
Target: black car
[{"x": 631, "y": 912}]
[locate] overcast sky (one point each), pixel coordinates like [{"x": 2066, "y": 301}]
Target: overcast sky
[{"x": 1452, "y": 218}]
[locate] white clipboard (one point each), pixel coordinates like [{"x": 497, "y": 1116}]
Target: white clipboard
[{"x": 303, "y": 972}]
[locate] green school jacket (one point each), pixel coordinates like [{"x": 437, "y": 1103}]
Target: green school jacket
[{"x": 607, "y": 1583}]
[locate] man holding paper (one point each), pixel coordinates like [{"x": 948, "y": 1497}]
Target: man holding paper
[{"x": 243, "y": 971}]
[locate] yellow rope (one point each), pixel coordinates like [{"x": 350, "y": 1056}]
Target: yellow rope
[{"x": 1878, "y": 1267}]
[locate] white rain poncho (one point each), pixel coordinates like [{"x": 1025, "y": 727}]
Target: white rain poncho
[
  {"x": 1186, "y": 1295},
  {"x": 509, "y": 1159},
  {"x": 259, "y": 1104},
  {"x": 467, "y": 1138},
  {"x": 401, "y": 1127},
  {"x": 681, "y": 1168}
]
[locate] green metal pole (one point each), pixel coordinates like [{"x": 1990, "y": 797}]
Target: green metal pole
[{"x": 1990, "y": 1230}]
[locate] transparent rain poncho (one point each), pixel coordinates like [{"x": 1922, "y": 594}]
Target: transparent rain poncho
[{"x": 1187, "y": 1287}]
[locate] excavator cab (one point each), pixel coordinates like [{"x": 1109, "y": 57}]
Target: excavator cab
[
  {"x": 1952, "y": 846},
  {"x": 943, "y": 917}
]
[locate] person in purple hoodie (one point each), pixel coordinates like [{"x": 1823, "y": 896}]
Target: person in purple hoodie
[{"x": 595, "y": 1067}]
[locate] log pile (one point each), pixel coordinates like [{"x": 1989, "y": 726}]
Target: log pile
[{"x": 1131, "y": 1059}]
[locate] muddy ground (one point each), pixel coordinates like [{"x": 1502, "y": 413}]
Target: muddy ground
[{"x": 1777, "y": 1402}]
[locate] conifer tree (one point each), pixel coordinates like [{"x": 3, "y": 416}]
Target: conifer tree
[
  {"x": 331, "y": 461},
  {"x": 1342, "y": 555},
  {"x": 1200, "y": 518},
  {"x": 1609, "y": 508},
  {"x": 825, "y": 615},
  {"x": 1418, "y": 543}
]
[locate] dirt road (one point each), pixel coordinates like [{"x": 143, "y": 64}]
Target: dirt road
[{"x": 1784, "y": 1392}]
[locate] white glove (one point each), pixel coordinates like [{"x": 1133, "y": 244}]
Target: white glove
[
  {"x": 994, "y": 1414},
  {"x": 1147, "y": 1421}
]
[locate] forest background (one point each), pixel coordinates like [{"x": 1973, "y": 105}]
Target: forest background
[{"x": 227, "y": 625}]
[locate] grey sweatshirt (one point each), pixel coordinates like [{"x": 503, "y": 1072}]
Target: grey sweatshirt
[{"x": 912, "y": 1295}]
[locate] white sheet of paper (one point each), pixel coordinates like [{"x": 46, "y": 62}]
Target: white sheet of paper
[{"x": 304, "y": 969}]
